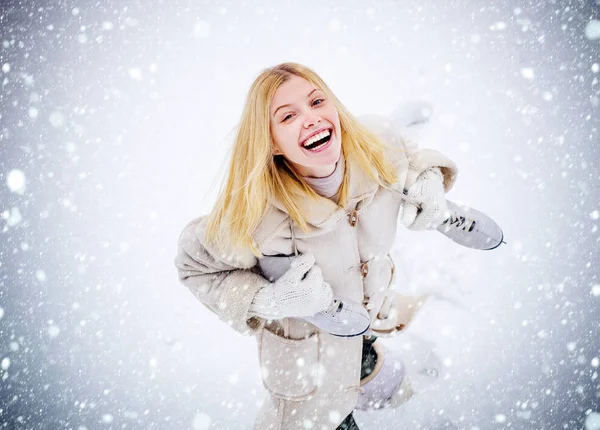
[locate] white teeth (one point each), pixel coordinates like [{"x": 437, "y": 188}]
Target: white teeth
[{"x": 316, "y": 137}]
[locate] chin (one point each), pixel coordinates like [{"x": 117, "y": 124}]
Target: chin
[
  {"x": 332, "y": 155},
  {"x": 330, "y": 159}
]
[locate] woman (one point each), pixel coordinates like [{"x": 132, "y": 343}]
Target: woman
[{"x": 307, "y": 179}]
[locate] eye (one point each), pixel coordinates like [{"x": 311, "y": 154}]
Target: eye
[{"x": 285, "y": 118}]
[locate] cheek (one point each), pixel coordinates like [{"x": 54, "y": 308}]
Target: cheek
[
  {"x": 334, "y": 117},
  {"x": 285, "y": 140}
]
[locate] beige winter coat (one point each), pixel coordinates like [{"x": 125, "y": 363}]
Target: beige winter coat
[{"x": 311, "y": 375}]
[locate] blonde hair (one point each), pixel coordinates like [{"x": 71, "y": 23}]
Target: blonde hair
[{"x": 255, "y": 174}]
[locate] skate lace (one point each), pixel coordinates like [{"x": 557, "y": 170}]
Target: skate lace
[
  {"x": 335, "y": 307},
  {"x": 429, "y": 372},
  {"x": 461, "y": 222}
]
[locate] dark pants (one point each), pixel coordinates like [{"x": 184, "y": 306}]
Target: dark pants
[{"x": 367, "y": 365}]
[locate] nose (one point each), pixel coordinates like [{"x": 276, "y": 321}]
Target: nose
[{"x": 311, "y": 120}]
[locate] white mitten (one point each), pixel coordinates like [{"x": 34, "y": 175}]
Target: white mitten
[
  {"x": 300, "y": 292},
  {"x": 425, "y": 206}
]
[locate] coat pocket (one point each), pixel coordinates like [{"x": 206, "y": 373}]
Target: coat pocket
[{"x": 289, "y": 367}]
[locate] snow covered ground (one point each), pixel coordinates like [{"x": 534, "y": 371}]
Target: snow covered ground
[{"x": 114, "y": 123}]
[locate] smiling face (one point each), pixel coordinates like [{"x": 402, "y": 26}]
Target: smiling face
[{"x": 305, "y": 127}]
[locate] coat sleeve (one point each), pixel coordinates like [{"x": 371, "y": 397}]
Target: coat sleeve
[
  {"x": 416, "y": 160},
  {"x": 224, "y": 284}
]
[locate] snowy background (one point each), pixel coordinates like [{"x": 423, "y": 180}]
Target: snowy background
[{"x": 115, "y": 120}]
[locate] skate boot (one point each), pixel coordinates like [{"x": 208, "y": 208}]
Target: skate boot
[
  {"x": 471, "y": 228},
  {"x": 344, "y": 317},
  {"x": 386, "y": 380},
  {"x": 398, "y": 374}
]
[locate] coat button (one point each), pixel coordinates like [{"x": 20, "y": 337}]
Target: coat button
[
  {"x": 353, "y": 217},
  {"x": 364, "y": 269}
]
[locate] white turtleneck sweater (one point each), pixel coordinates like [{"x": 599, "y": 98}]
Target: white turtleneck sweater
[{"x": 328, "y": 186}]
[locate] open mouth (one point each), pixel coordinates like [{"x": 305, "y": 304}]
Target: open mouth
[{"x": 321, "y": 140}]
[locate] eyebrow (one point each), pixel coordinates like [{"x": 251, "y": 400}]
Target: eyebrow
[{"x": 309, "y": 94}]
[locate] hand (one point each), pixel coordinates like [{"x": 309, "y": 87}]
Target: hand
[
  {"x": 301, "y": 291},
  {"x": 425, "y": 205}
]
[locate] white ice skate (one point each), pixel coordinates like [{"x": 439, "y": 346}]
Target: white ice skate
[
  {"x": 471, "y": 228},
  {"x": 344, "y": 317},
  {"x": 466, "y": 226}
]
